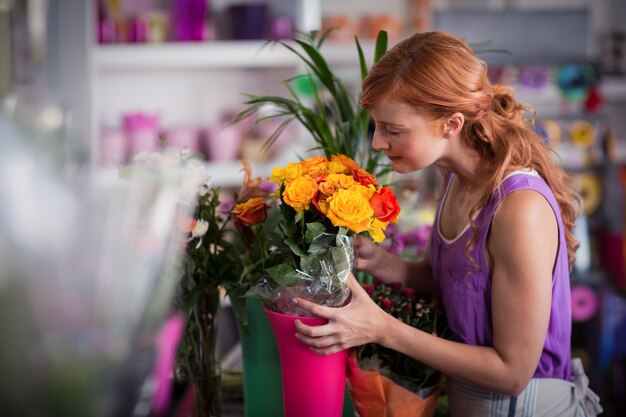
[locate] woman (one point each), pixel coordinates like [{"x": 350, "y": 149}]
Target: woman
[{"x": 501, "y": 247}]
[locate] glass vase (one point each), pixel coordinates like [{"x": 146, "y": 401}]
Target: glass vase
[{"x": 201, "y": 367}]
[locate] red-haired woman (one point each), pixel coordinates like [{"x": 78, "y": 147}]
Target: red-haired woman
[{"x": 501, "y": 247}]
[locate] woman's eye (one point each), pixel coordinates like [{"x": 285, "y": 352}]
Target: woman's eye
[{"x": 389, "y": 132}]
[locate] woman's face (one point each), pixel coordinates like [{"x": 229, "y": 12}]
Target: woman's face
[{"x": 410, "y": 141}]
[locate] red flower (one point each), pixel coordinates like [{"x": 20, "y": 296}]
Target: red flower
[
  {"x": 385, "y": 205},
  {"x": 251, "y": 212},
  {"x": 387, "y": 303},
  {"x": 410, "y": 293},
  {"x": 363, "y": 177}
]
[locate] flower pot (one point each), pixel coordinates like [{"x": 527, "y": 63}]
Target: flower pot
[
  {"x": 375, "y": 395},
  {"x": 313, "y": 384},
  {"x": 262, "y": 388}
]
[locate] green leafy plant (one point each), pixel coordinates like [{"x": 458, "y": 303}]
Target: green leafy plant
[{"x": 335, "y": 120}]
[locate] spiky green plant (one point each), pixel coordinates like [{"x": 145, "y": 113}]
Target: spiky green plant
[{"x": 335, "y": 119}]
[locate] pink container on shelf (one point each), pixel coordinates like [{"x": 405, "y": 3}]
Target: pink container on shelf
[
  {"x": 313, "y": 384},
  {"x": 183, "y": 138},
  {"x": 113, "y": 147},
  {"x": 142, "y": 132},
  {"x": 223, "y": 144}
]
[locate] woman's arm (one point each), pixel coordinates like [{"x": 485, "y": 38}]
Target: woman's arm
[
  {"x": 390, "y": 268},
  {"x": 522, "y": 246}
]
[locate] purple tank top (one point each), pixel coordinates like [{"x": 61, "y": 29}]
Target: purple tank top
[{"x": 466, "y": 290}]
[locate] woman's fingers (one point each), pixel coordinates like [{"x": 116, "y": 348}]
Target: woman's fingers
[
  {"x": 312, "y": 331},
  {"x": 353, "y": 284},
  {"x": 328, "y": 350},
  {"x": 315, "y": 309}
]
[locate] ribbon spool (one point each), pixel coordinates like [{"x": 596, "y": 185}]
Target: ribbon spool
[
  {"x": 574, "y": 81},
  {"x": 590, "y": 190},
  {"x": 534, "y": 77},
  {"x": 553, "y": 132},
  {"x": 584, "y": 303},
  {"x": 582, "y": 134}
]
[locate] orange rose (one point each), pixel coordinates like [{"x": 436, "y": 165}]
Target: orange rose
[
  {"x": 251, "y": 212},
  {"x": 316, "y": 162},
  {"x": 363, "y": 177},
  {"x": 385, "y": 205},
  {"x": 345, "y": 160},
  {"x": 329, "y": 188}
]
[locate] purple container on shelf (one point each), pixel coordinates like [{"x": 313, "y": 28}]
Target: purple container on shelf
[
  {"x": 248, "y": 21},
  {"x": 189, "y": 20},
  {"x": 139, "y": 30},
  {"x": 107, "y": 31}
]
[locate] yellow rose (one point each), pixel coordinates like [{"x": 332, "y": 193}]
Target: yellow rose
[
  {"x": 345, "y": 181},
  {"x": 377, "y": 230},
  {"x": 293, "y": 170},
  {"x": 336, "y": 167},
  {"x": 365, "y": 191},
  {"x": 350, "y": 209},
  {"x": 278, "y": 176},
  {"x": 299, "y": 193}
]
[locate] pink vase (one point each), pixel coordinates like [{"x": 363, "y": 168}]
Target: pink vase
[
  {"x": 183, "y": 138},
  {"x": 313, "y": 384},
  {"x": 142, "y": 131},
  {"x": 223, "y": 144}
]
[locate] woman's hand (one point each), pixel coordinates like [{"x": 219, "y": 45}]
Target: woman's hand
[
  {"x": 368, "y": 255},
  {"x": 358, "y": 323}
]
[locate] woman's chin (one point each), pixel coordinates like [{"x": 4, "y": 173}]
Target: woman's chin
[{"x": 399, "y": 167}]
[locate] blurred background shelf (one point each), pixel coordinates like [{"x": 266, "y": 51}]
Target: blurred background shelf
[{"x": 213, "y": 55}]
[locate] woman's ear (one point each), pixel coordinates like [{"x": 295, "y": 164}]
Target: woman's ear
[{"x": 453, "y": 125}]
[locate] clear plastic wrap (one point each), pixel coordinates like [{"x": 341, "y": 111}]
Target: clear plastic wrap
[{"x": 321, "y": 278}]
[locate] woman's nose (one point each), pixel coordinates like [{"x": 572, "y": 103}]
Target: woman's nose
[{"x": 378, "y": 142}]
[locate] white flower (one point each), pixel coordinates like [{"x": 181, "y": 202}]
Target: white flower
[
  {"x": 200, "y": 229},
  {"x": 194, "y": 177}
]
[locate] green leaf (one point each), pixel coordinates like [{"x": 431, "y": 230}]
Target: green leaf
[
  {"x": 282, "y": 274},
  {"x": 362, "y": 62},
  {"x": 317, "y": 248},
  {"x": 381, "y": 45},
  {"x": 294, "y": 248},
  {"x": 320, "y": 67},
  {"x": 313, "y": 232},
  {"x": 299, "y": 217}
]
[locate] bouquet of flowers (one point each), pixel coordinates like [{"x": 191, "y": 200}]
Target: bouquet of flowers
[{"x": 322, "y": 203}]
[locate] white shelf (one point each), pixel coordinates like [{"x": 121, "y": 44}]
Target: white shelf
[
  {"x": 225, "y": 174},
  {"x": 214, "y": 55}
]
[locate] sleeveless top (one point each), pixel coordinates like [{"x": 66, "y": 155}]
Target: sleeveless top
[{"x": 465, "y": 288}]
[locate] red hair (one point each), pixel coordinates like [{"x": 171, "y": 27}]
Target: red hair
[{"x": 438, "y": 75}]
